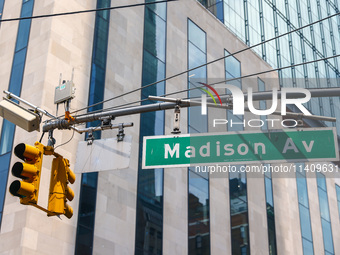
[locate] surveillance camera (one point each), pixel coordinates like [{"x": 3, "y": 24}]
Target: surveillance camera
[{"x": 19, "y": 116}]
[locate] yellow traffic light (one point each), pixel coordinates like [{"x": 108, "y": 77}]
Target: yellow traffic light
[
  {"x": 60, "y": 192},
  {"x": 27, "y": 189}
]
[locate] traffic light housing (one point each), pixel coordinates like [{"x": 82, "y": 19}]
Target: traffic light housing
[
  {"x": 60, "y": 192},
  {"x": 29, "y": 171}
]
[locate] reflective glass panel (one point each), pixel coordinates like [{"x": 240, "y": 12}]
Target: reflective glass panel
[
  {"x": 88, "y": 190},
  {"x": 239, "y": 213},
  {"x": 198, "y": 184},
  {"x": 327, "y": 236},
  {"x": 307, "y": 247},
  {"x": 149, "y": 215},
  {"x": 306, "y": 229}
]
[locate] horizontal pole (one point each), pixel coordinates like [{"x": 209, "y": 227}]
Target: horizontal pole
[
  {"x": 288, "y": 114},
  {"x": 191, "y": 102},
  {"x": 171, "y": 103},
  {"x": 93, "y": 129},
  {"x": 65, "y": 124},
  {"x": 267, "y": 95}
]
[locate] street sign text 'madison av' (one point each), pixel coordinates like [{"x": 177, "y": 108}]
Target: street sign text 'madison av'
[{"x": 274, "y": 146}]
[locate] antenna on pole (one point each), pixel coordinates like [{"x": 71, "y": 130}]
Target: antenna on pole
[{"x": 64, "y": 93}]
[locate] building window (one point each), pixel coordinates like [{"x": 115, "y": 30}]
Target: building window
[
  {"x": 2, "y": 3},
  {"x": 240, "y": 243},
  {"x": 215, "y": 7},
  {"x": 270, "y": 213},
  {"x": 88, "y": 189},
  {"x": 237, "y": 180},
  {"x": 262, "y": 104},
  {"x": 232, "y": 71},
  {"x": 337, "y": 187},
  {"x": 149, "y": 216},
  {"x": 325, "y": 216},
  {"x": 305, "y": 223},
  {"x": 17, "y": 73},
  {"x": 256, "y": 21},
  {"x": 198, "y": 183},
  {"x": 15, "y": 84}
]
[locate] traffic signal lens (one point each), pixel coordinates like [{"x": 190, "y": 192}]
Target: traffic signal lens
[
  {"x": 69, "y": 193},
  {"x": 71, "y": 176},
  {"x": 68, "y": 211},
  {"x": 21, "y": 189},
  {"x": 26, "y": 152},
  {"x": 23, "y": 170}
]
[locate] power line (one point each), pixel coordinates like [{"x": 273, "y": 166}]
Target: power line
[
  {"x": 114, "y": 107},
  {"x": 200, "y": 66},
  {"x": 254, "y": 74},
  {"x": 64, "y": 142},
  {"x": 84, "y": 11},
  {"x": 224, "y": 81},
  {"x": 212, "y": 84}
]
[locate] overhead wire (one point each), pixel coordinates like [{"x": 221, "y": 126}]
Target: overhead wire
[
  {"x": 116, "y": 107},
  {"x": 84, "y": 11},
  {"x": 215, "y": 83},
  {"x": 254, "y": 74},
  {"x": 208, "y": 63},
  {"x": 65, "y": 142}
]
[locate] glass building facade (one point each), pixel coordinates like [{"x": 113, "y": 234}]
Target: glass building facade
[
  {"x": 237, "y": 180},
  {"x": 262, "y": 103},
  {"x": 325, "y": 215},
  {"x": 149, "y": 218},
  {"x": 15, "y": 84},
  {"x": 2, "y": 3},
  {"x": 198, "y": 183},
  {"x": 268, "y": 183},
  {"x": 88, "y": 189},
  {"x": 255, "y": 21},
  {"x": 338, "y": 197},
  {"x": 232, "y": 71},
  {"x": 305, "y": 221}
]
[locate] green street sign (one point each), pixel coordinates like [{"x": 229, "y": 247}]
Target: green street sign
[{"x": 273, "y": 146}]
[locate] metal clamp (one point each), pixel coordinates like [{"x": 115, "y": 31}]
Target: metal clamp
[
  {"x": 51, "y": 140},
  {"x": 90, "y": 138},
  {"x": 106, "y": 123},
  {"x": 177, "y": 115},
  {"x": 120, "y": 135}
]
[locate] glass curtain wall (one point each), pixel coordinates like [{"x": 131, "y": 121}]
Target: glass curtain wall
[
  {"x": 262, "y": 104},
  {"x": 305, "y": 221},
  {"x": 240, "y": 244},
  {"x": 233, "y": 70},
  {"x": 214, "y": 6},
  {"x": 255, "y": 21},
  {"x": 198, "y": 186},
  {"x": 2, "y": 3},
  {"x": 325, "y": 216},
  {"x": 268, "y": 182},
  {"x": 337, "y": 187},
  {"x": 270, "y": 213},
  {"x": 15, "y": 84},
  {"x": 149, "y": 218},
  {"x": 237, "y": 180},
  {"x": 88, "y": 189}
]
